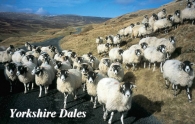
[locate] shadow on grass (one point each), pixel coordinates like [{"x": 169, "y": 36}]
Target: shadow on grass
[
  {"x": 129, "y": 76},
  {"x": 142, "y": 107}
]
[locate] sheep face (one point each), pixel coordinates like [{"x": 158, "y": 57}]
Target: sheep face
[
  {"x": 164, "y": 10},
  {"x": 138, "y": 52},
  {"x": 84, "y": 68},
  {"x": 30, "y": 58},
  {"x": 126, "y": 89},
  {"x": 116, "y": 69},
  {"x": 11, "y": 67},
  {"x": 37, "y": 71},
  {"x": 144, "y": 45},
  {"x": 172, "y": 39},
  {"x": 21, "y": 70},
  {"x": 92, "y": 59},
  {"x": 186, "y": 66},
  {"x": 38, "y": 50},
  {"x": 27, "y": 44},
  {"x": 177, "y": 13},
  {"x": 189, "y": 5},
  {"x": 60, "y": 54},
  {"x": 22, "y": 53},
  {"x": 120, "y": 51},
  {"x": 132, "y": 25},
  {"x": 63, "y": 74},
  {"x": 9, "y": 52},
  {"x": 79, "y": 60},
  {"x": 89, "y": 54},
  {"x": 45, "y": 55},
  {"x": 91, "y": 76},
  {"x": 106, "y": 62},
  {"x": 161, "y": 48},
  {"x": 58, "y": 64},
  {"x": 66, "y": 58},
  {"x": 73, "y": 55}
]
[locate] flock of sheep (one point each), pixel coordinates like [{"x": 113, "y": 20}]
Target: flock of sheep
[{"x": 102, "y": 79}]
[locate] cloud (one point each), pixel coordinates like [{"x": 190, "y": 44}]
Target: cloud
[
  {"x": 11, "y": 8},
  {"x": 41, "y": 11}
]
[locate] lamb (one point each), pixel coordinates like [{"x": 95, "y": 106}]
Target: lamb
[
  {"x": 10, "y": 73},
  {"x": 188, "y": 14},
  {"x": 128, "y": 30},
  {"x": 179, "y": 73},
  {"x": 176, "y": 18},
  {"x": 103, "y": 48},
  {"x": 162, "y": 14},
  {"x": 109, "y": 40},
  {"x": 62, "y": 65},
  {"x": 5, "y": 56},
  {"x": 117, "y": 40},
  {"x": 104, "y": 65},
  {"x": 99, "y": 40},
  {"x": 115, "y": 55},
  {"x": 135, "y": 31},
  {"x": 145, "y": 20},
  {"x": 114, "y": 96},
  {"x": 29, "y": 58},
  {"x": 44, "y": 76},
  {"x": 116, "y": 71},
  {"x": 132, "y": 56},
  {"x": 25, "y": 76},
  {"x": 91, "y": 84},
  {"x": 94, "y": 62},
  {"x": 68, "y": 82},
  {"x": 153, "y": 55},
  {"x": 163, "y": 24},
  {"x": 18, "y": 55},
  {"x": 152, "y": 19},
  {"x": 145, "y": 30}
]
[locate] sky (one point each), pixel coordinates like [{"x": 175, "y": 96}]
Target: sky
[{"x": 98, "y": 8}]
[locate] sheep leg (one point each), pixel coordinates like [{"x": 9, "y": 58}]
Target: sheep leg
[
  {"x": 144, "y": 64},
  {"x": 95, "y": 102},
  {"x": 46, "y": 87},
  {"x": 105, "y": 115},
  {"x": 10, "y": 83},
  {"x": 133, "y": 66},
  {"x": 104, "y": 109},
  {"x": 167, "y": 84},
  {"x": 32, "y": 86},
  {"x": 27, "y": 86},
  {"x": 189, "y": 95},
  {"x": 40, "y": 90},
  {"x": 111, "y": 116},
  {"x": 175, "y": 90},
  {"x": 149, "y": 65},
  {"x": 25, "y": 89},
  {"x": 122, "y": 117},
  {"x": 84, "y": 87},
  {"x": 75, "y": 94},
  {"x": 161, "y": 69},
  {"x": 91, "y": 99},
  {"x": 65, "y": 99},
  {"x": 154, "y": 67}
]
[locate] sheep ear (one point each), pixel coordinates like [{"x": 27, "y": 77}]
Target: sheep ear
[
  {"x": 133, "y": 86},
  {"x": 86, "y": 75},
  {"x": 192, "y": 64},
  {"x": 58, "y": 73}
]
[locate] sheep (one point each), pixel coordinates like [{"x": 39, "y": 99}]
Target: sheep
[
  {"x": 132, "y": 56},
  {"x": 18, "y": 55},
  {"x": 152, "y": 19},
  {"x": 28, "y": 46},
  {"x": 145, "y": 20},
  {"x": 36, "y": 52},
  {"x": 163, "y": 24},
  {"x": 10, "y": 73},
  {"x": 11, "y": 48},
  {"x": 42, "y": 56},
  {"x": 135, "y": 31},
  {"x": 44, "y": 76},
  {"x": 179, "y": 73},
  {"x": 77, "y": 62},
  {"x": 25, "y": 76},
  {"x": 176, "y": 18},
  {"x": 115, "y": 55},
  {"x": 103, "y": 48},
  {"x": 114, "y": 96},
  {"x": 58, "y": 56},
  {"x": 155, "y": 54},
  {"x": 72, "y": 55},
  {"x": 162, "y": 14},
  {"x": 116, "y": 71},
  {"x": 109, "y": 40},
  {"x": 6, "y": 56},
  {"x": 51, "y": 50},
  {"x": 117, "y": 40},
  {"x": 68, "y": 82},
  {"x": 150, "y": 41},
  {"x": 87, "y": 57},
  {"x": 188, "y": 14},
  {"x": 99, "y": 40},
  {"x": 121, "y": 32},
  {"x": 128, "y": 30},
  {"x": 104, "y": 65},
  {"x": 91, "y": 84},
  {"x": 145, "y": 30},
  {"x": 29, "y": 58},
  {"x": 62, "y": 65},
  {"x": 94, "y": 62}
]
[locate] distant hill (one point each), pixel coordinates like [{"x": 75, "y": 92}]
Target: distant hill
[{"x": 22, "y": 23}]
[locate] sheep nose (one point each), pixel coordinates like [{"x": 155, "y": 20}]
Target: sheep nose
[{"x": 17, "y": 73}]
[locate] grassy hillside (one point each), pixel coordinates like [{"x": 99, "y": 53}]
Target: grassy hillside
[{"x": 155, "y": 98}]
